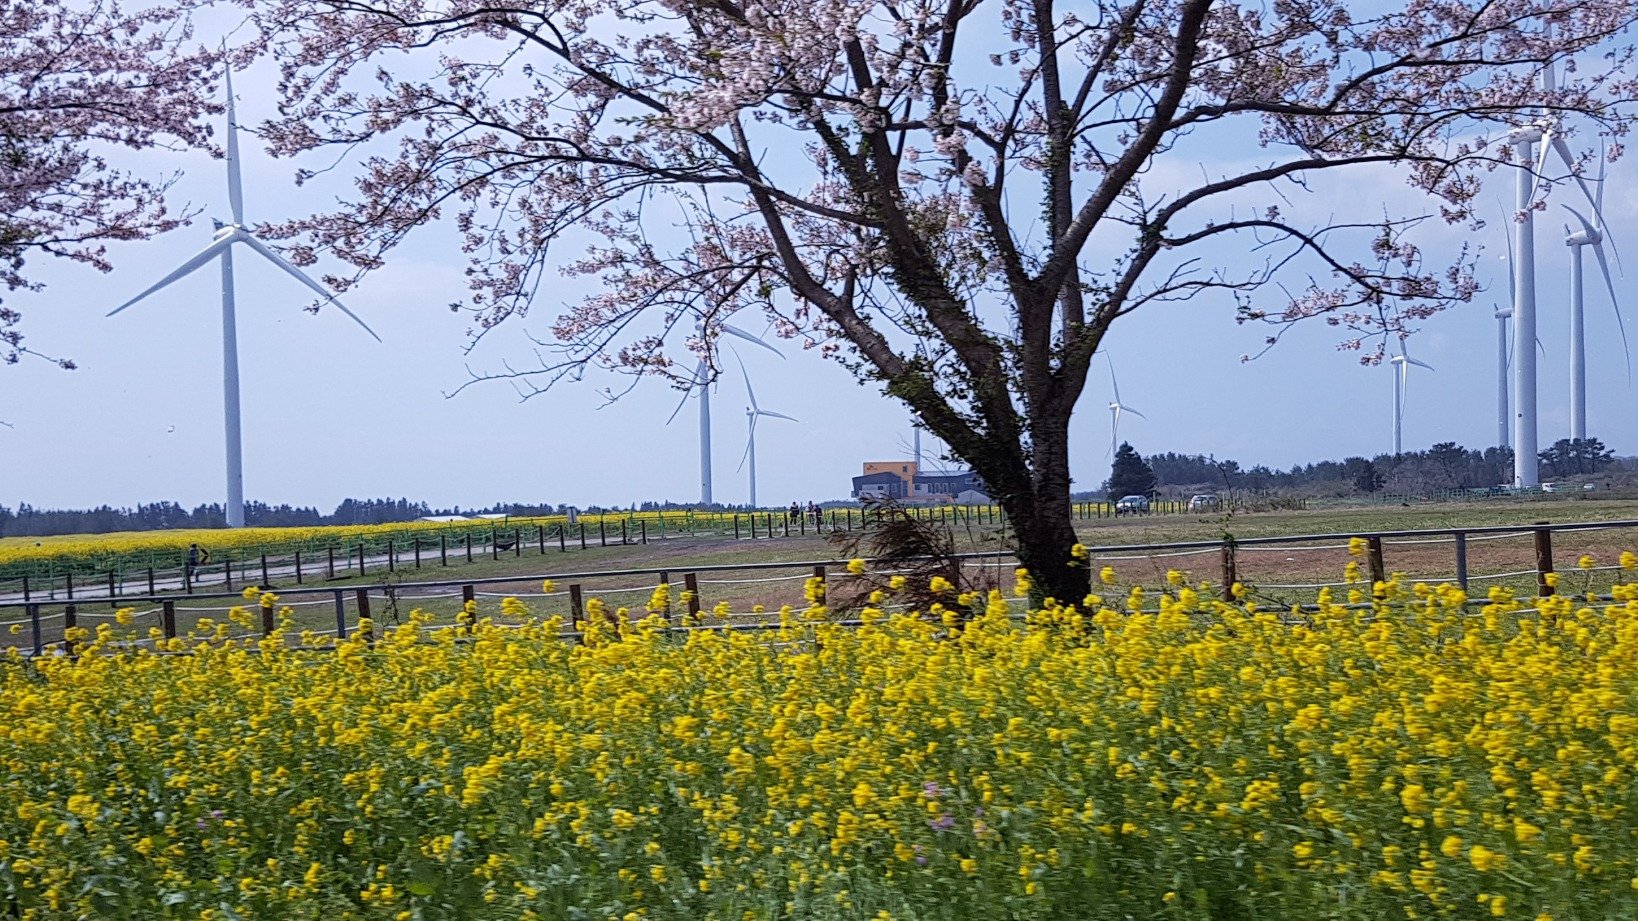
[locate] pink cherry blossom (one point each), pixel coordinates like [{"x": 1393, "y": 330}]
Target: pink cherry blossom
[{"x": 79, "y": 82}]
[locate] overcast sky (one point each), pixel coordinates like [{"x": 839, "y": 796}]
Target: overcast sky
[{"x": 328, "y": 413}]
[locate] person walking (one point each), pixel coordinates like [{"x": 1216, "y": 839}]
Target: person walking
[
  {"x": 197, "y": 557},
  {"x": 795, "y": 513}
]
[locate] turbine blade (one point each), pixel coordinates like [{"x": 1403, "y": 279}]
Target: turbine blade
[
  {"x": 236, "y": 191},
  {"x": 749, "y": 390},
  {"x": 1562, "y": 148},
  {"x": 1615, "y": 305},
  {"x": 736, "y": 331},
  {"x": 1541, "y": 163},
  {"x": 299, "y": 275},
  {"x": 1115, "y": 384},
  {"x": 769, "y": 412},
  {"x": 1419, "y": 364},
  {"x": 1134, "y": 412},
  {"x": 192, "y": 265},
  {"x": 750, "y": 439},
  {"x": 680, "y": 405},
  {"x": 1512, "y": 296}
]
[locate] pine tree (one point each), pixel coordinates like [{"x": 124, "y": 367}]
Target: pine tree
[{"x": 1130, "y": 475}]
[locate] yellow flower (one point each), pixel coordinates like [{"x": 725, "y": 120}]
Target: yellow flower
[
  {"x": 1484, "y": 859},
  {"x": 1107, "y": 575},
  {"x": 856, "y": 566},
  {"x": 1357, "y": 546},
  {"x": 1586, "y": 561},
  {"x": 547, "y": 586}
]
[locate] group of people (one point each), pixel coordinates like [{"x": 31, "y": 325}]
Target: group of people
[{"x": 813, "y": 511}]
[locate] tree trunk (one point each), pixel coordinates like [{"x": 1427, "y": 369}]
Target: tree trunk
[
  {"x": 1035, "y": 497},
  {"x": 1046, "y": 532}
]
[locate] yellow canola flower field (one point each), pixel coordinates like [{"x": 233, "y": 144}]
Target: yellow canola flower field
[{"x": 1161, "y": 755}]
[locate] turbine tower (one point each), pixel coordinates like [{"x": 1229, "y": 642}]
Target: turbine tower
[
  {"x": 1401, "y": 368},
  {"x": 1525, "y": 471},
  {"x": 701, "y": 380},
  {"x": 221, "y": 248},
  {"x": 752, "y": 413},
  {"x": 1503, "y": 426},
  {"x": 1589, "y": 235},
  {"x": 1116, "y": 410}
]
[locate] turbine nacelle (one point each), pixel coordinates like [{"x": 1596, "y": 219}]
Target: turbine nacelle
[{"x": 1526, "y": 134}]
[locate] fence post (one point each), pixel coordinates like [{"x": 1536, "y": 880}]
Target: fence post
[
  {"x": 1231, "y": 574},
  {"x": 341, "y": 616},
  {"x": 691, "y": 584},
  {"x": 266, "y": 582},
  {"x": 1379, "y": 571},
  {"x": 1461, "y": 559},
  {"x": 298, "y": 567},
  {"x": 469, "y": 595},
  {"x": 467, "y": 540},
  {"x": 819, "y": 573},
  {"x": 150, "y": 581},
  {"x": 330, "y": 563},
  {"x": 602, "y": 534},
  {"x": 68, "y": 583},
  {"x": 562, "y": 538},
  {"x": 227, "y": 572},
  {"x": 392, "y": 555},
  {"x": 417, "y": 552},
  {"x": 34, "y": 628},
  {"x": 70, "y": 621},
  {"x": 582, "y": 535},
  {"x": 112, "y": 589},
  {"x": 642, "y": 529},
  {"x": 494, "y": 545},
  {"x": 361, "y": 559},
  {"x": 167, "y": 619},
  {"x": 623, "y": 535},
  {"x": 665, "y": 580},
  {"x": 362, "y": 597},
  {"x": 25, "y": 589},
  {"x": 786, "y": 520},
  {"x": 443, "y": 550},
  {"x": 267, "y": 620},
  {"x": 577, "y": 611},
  {"x": 517, "y": 542},
  {"x": 1544, "y": 561},
  {"x": 540, "y": 538}
]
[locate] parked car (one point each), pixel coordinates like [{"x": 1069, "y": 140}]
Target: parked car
[
  {"x": 1549, "y": 487},
  {"x": 1132, "y": 505},
  {"x": 1204, "y": 503}
]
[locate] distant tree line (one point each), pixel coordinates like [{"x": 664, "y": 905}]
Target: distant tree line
[
  {"x": 1445, "y": 466},
  {"x": 27, "y": 520}
]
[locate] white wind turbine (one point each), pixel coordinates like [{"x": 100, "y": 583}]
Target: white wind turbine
[
  {"x": 752, "y": 413},
  {"x": 221, "y": 247},
  {"x": 701, "y": 380},
  {"x": 1592, "y": 235},
  {"x": 1401, "y": 368},
  {"x": 1116, "y": 410},
  {"x": 1524, "y": 138}
]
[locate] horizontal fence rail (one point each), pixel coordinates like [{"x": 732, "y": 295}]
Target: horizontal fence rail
[
  {"x": 145, "y": 572},
  {"x": 355, "y": 602}
]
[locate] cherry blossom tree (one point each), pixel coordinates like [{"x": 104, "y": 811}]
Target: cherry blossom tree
[
  {"x": 78, "y": 81},
  {"x": 949, "y": 196}
]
